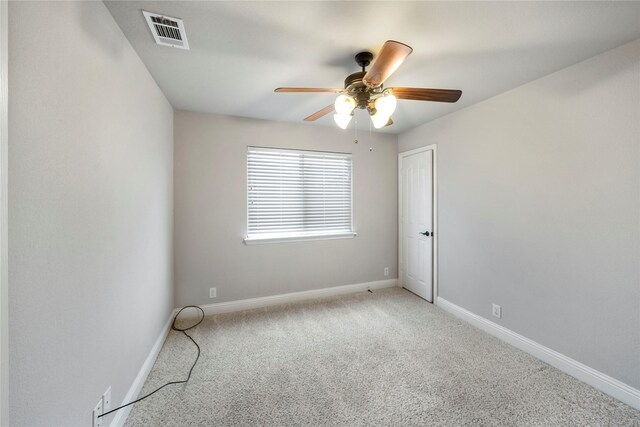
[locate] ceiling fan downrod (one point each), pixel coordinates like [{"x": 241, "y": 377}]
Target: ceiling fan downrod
[{"x": 363, "y": 59}]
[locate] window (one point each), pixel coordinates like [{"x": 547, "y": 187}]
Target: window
[{"x": 297, "y": 195}]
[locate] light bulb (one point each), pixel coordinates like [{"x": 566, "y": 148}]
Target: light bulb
[
  {"x": 342, "y": 120},
  {"x": 386, "y": 105},
  {"x": 379, "y": 119},
  {"x": 344, "y": 105}
]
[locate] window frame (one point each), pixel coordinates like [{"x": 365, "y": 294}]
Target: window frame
[{"x": 300, "y": 236}]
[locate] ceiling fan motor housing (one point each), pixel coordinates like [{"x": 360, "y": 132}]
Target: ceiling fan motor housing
[
  {"x": 355, "y": 88},
  {"x": 354, "y": 81}
]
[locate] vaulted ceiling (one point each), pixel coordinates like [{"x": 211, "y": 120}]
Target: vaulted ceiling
[{"x": 241, "y": 51}]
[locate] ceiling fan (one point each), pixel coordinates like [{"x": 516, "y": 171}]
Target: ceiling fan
[{"x": 365, "y": 89}]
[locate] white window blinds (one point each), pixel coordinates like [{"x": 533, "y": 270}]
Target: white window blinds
[{"x": 293, "y": 193}]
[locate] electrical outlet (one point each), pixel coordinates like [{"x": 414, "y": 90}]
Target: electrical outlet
[
  {"x": 212, "y": 292},
  {"x": 497, "y": 311},
  {"x": 386, "y": 271},
  {"x": 98, "y": 410},
  {"x": 106, "y": 400}
]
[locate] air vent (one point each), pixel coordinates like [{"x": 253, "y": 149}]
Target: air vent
[{"x": 167, "y": 31}]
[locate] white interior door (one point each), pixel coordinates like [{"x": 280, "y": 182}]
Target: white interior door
[{"x": 416, "y": 175}]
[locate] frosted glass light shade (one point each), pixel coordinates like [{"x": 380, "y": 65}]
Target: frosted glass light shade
[
  {"x": 379, "y": 120},
  {"x": 344, "y": 105},
  {"x": 342, "y": 120},
  {"x": 386, "y": 105}
]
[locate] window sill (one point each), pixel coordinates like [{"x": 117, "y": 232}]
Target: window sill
[{"x": 298, "y": 238}]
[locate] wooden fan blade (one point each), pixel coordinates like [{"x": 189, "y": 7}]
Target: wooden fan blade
[
  {"x": 315, "y": 116},
  {"x": 391, "y": 56},
  {"x": 423, "y": 94},
  {"x": 307, "y": 89}
]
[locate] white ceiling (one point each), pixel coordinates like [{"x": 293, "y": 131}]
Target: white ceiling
[{"x": 241, "y": 51}]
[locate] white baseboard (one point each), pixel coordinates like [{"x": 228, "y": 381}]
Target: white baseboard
[
  {"x": 121, "y": 415},
  {"x": 248, "y": 304},
  {"x": 596, "y": 379}
]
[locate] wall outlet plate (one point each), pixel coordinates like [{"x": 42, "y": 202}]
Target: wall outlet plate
[
  {"x": 386, "y": 271},
  {"x": 106, "y": 400},
  {"x": 497, "y": 311},
  {"x": 213, "y": 292},
  {"x": 97, "y": 421}
]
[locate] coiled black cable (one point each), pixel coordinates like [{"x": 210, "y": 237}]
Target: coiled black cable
[{"x": 175, "y": 328}]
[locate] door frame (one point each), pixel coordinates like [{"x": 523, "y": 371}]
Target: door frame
[{"x": 436, "y": 234}]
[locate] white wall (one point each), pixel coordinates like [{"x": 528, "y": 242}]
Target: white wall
[
  {"x": 539, "y": 209},
  {"x": 210, "y": 212},
  {"x": 90, "y": 216}
]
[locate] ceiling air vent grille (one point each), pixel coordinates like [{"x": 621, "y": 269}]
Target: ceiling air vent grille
[{"x": 167, "y": 31}]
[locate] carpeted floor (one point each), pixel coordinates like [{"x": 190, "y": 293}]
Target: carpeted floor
[{"x": 386, "y": 359}]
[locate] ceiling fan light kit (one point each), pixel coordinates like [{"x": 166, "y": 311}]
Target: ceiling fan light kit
[
  {"x": 379, "y": 120},
  {"x": 344, "y": 107},
  {"x": 382, "y": 110},
  {"x": 342, "y": 120},
  {"x": 364, "y": 89},
  {"x": 344, "y": 104}
]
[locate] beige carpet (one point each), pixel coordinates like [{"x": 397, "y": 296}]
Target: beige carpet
[{"x": 387, "y": 359}]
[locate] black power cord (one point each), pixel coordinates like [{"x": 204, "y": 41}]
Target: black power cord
[{"x": 175, "y": 328}]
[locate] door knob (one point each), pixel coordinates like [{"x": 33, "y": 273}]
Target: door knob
[{"x": 426, "y": 233}]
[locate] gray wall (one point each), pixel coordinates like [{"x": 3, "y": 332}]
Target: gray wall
[
  {"x": 90, "y": 217},
  {"x": 210, "y": 212},
  {"x": 4, "y": 290},
  {"x": 539, "y": 209}
]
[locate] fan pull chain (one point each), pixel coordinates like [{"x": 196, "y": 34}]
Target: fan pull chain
[
  {"x": 355, "y": 141},
  {"x": 370, "y": 136}
]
